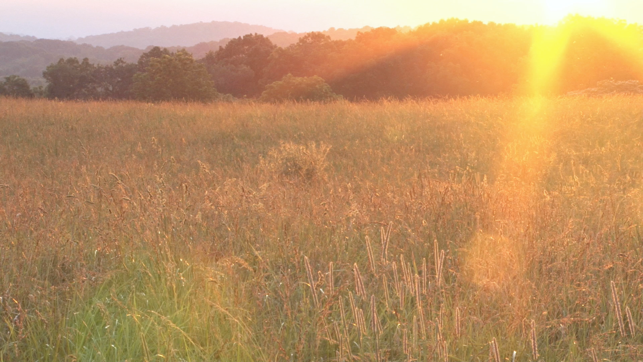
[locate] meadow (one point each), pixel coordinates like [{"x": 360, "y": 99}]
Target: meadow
[{"x": 446, "y": 230}]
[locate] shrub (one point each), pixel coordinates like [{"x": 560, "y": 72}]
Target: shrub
[
  {"x": 291, "y": 88},
  {"x": 294, "y": 161}
]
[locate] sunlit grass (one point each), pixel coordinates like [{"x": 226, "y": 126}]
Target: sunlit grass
[{"x": 179, "y": 231}]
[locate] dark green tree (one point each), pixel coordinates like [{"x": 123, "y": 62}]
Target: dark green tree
[
  {"x": 238, "y": 67},
  {"x": 71, "y": 79},
  {"x": 15, "y": 86},
  {"x": 314, "y": 54},
  {"x": 115, "y": 81},
  {"x": 176, "y": 76},
  {"x": 235, "y": 79},
  {"x": 154, "y": 53}
]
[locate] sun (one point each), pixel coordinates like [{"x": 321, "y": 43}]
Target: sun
[{"x": 556, "y": 10}]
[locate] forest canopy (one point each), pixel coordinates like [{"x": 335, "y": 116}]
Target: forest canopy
[{"x": 449, "y": 58}]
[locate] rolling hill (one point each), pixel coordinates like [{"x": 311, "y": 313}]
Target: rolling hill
[
  {"x": 28, "y": 59},
  {"x": 176, "y": 35}
]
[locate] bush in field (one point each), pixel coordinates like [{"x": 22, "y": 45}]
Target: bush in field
[
  {"x": 294, "y": 161},
  {"x": 292, "y": 88},
  {"x": 15, "y": 86}
]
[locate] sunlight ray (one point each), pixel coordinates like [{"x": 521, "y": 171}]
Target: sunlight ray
[
  {"x": 547, "y": 51},
  {"x": 550, "y": 47}
]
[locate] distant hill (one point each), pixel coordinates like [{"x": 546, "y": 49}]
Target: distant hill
[
  {"x": 28, "y": 59},
  {"x": 176, "y": 35},
  {"x": 284, "y": 39},
  {"x": 14, "y": 37},
  {"x": 200, "y": 50}
]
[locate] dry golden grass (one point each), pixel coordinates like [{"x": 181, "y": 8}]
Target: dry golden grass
[{"x": 244, "y": 232}]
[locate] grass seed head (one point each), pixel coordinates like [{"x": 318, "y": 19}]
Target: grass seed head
[{"x": 534, "y": 341}]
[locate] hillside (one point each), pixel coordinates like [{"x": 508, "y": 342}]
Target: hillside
[
  {"x": 176, "y": 35},
  {"x": 15, "y": 37},
  {"x": 28, "y": 59}
]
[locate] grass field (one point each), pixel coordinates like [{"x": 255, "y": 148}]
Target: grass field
[{"x": 459, "y": 230}]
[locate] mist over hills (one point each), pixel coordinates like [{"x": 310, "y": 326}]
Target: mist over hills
[{"x": 177, "y": 35}]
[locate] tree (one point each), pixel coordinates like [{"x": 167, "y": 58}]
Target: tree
[
  {"x": 311, "y": 55},
  {"x": 176, "y": 76},
  {"x": 71, "y": 79},
  {"x": 154, "y": 53},
  {"x": 238, "y": 67},
  {"x": 115, "y": 81},
  {"x": 251, "y": 50},
  {"x": 15, "y": 86},
  {"x": 292, "y": 88},
  {"x": 237, "y": 80}
]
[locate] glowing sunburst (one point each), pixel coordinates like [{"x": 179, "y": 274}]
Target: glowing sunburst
[{"x": 550, "y": 45}]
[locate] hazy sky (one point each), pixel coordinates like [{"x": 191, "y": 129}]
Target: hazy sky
[{"x": 76, "y": 18}]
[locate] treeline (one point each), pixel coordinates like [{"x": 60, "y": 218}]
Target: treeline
[
  {"x": 27, "y": 57},
  {"x": 443, "y": 59}
]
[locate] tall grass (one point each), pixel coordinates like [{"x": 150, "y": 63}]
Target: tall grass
[{"x": 391, "y": 231}]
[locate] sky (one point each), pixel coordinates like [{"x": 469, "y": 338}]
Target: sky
[{"x": 68, "y": 19}]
